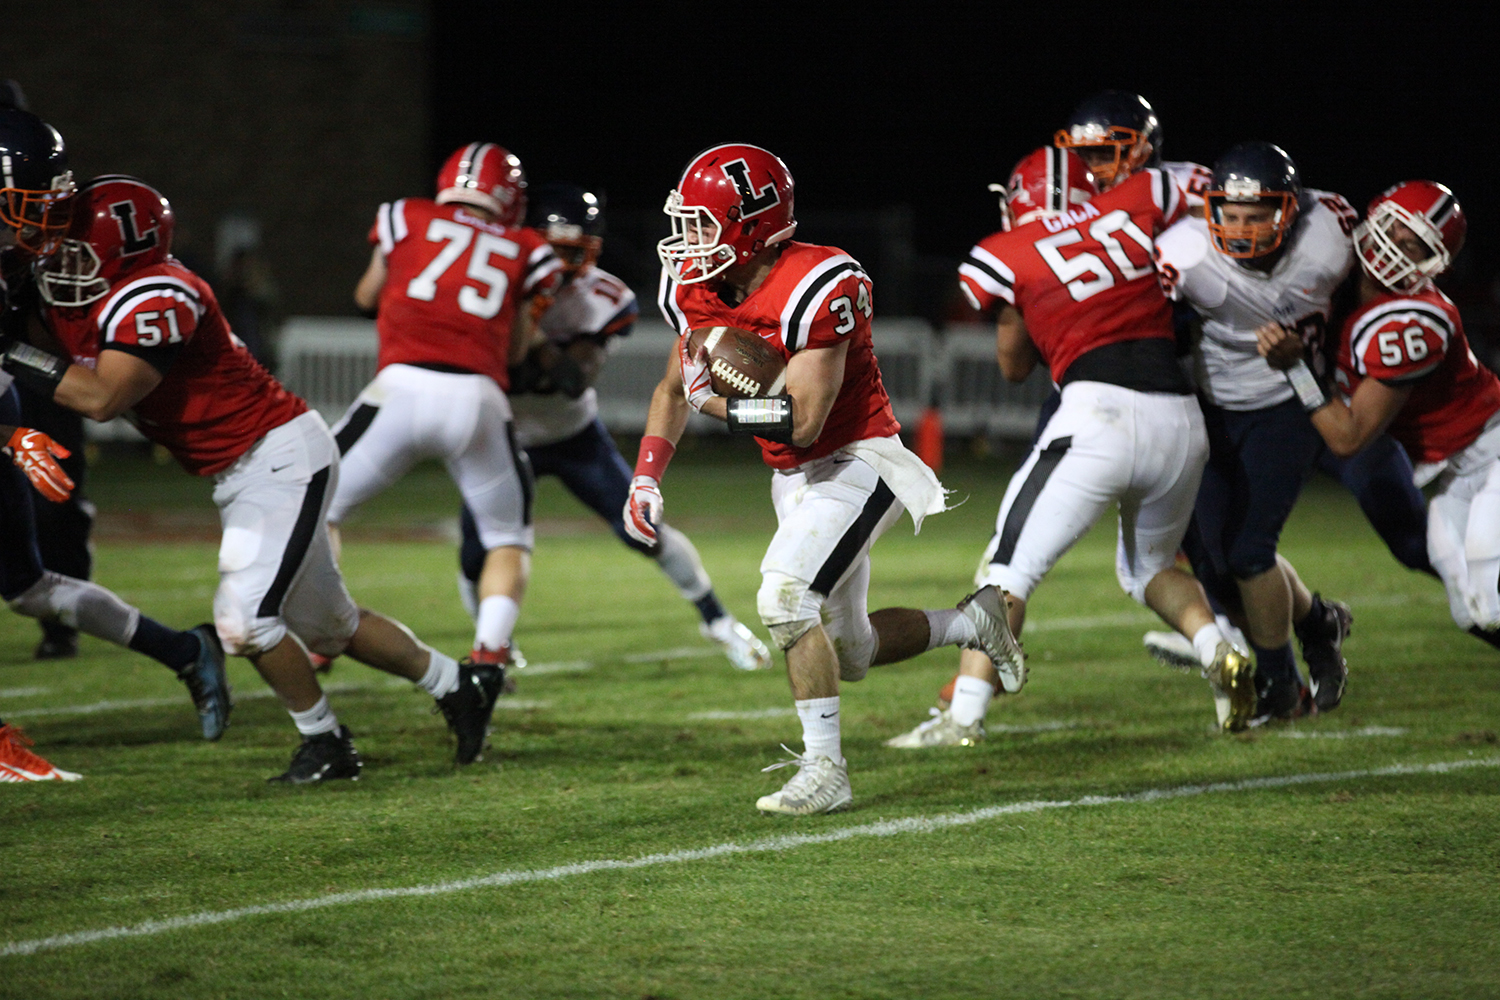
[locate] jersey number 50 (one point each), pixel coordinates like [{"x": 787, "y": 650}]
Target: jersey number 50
[
  {"x": 1087, "y": 274},
  {"x": 457, "y": 239}
]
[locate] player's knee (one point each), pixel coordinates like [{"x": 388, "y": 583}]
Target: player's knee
[
  {"x": 36, "y": 601},
  {"x": 788, "y": 609},
  {"x": 1134, "y": 583},
  {"x": 333, "y": 635},
  {"x": 1250, "y": 557},
  {"x": 855, "y": 654},
  {"x": 245, "y": 635}
]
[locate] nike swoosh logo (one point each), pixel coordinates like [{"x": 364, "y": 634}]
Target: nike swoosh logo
[
  {"x": 278, "y": 468},
  {"x": 650, "y": 456},
  {"x": 828, "y": 716}
]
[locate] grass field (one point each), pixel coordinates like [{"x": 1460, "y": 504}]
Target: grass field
[{"x": 1103, "y": 842}]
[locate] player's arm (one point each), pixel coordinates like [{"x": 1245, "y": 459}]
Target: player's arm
[
  {"x": 1348, "y": 429},
  {"x": 1014, "y": 348},
  {"x": 117, "y": 383},
  {"x": 367, "y": 291}
]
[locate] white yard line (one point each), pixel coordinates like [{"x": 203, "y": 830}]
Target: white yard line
[
  {"x": 1341, "y": 734},
  {"x": 23, "y": 692},
  {"x": 758, "y": 713},
  {"x": 1033, "y": 727},
  {"x": 788, "y": 842}
]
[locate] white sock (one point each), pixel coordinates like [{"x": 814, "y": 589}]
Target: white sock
[
  {"x": 442, "y": 675},
  {"x": 948, "y": 628},
  {"x": 1206, "y": 643},
  {"x": 316, "y": 720},
  {"x": 971, "y": 699},
  {"x": 497, "y": 619},
  {"x": 820, "y": 727}
]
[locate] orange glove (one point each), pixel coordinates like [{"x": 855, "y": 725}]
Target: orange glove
[{"x": 35, "y": 453}]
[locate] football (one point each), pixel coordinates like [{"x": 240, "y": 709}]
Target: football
[{"x": 741, "y": 364}]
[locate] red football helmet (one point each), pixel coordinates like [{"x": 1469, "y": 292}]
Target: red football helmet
[
  {"x": 487, "y": 176},
  {"x": 119, "y": 224},
  {"x": 1432, "y": 214},
  {"x": 1047, "y": 182},
  {"x": 733, "y": 201}
]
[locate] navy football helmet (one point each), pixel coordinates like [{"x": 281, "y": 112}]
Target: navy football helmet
[
  {"x": 36, "y": 186},
  {"x": 1116, "y": 132},
  {"x": 571, "y": 219},
  {"x": 1253, "y": 173}
]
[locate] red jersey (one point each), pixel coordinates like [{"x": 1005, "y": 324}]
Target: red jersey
[
  {"x": 814, "y": 297},
  {"x": 452, "y": 285},
  {"x": 1418, "y": 341},
  {"x": 1084, "y": 279},
  {"x": 214, "y": 400}
]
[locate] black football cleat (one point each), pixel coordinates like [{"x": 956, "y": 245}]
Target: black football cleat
[
  {"x": 469, "y": 706},
  {"x": 325, "y": 757},
  {"x": 1321, "y": 635},
  {"x": 208, "y": 684},
  {"x": 59, "y": 641}
]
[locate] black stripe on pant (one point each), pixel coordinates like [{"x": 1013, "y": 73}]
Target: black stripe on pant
[
  {"x": 309, "y": 520},
  {"x": 854, "y": 539},
  {"x": 523, "y": 470},
  {"x": 1046, "y": 464},
  {"x": 355, "y": 427}
]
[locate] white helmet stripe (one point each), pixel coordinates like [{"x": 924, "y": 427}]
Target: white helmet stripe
[{"x": 1442, "y": 209}]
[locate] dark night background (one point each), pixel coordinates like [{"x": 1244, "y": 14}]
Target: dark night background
[
  {"x": 303, "y": 115},
  {"x": 924, "y": 105}
]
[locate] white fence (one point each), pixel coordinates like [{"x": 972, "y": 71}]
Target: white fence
[{"x": 327, "y": 360}]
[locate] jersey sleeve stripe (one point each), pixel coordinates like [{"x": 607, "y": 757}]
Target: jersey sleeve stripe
[
  {"x": 539, "y": 269},
  {"x": 398, "y": 220},
  {"x": 993, "y": 266},
  {"x": 1367, "y": 325},
  {"x": 963, "y": 286},
  {"x": 137, "y": 291},
  {"x": 796, "y": 328},
  {"x": 801, "y": 304},
  {"x": 666, "y": 300},
  {"x": 386, "y": 241},
  {"x": 987, "y": 280}
]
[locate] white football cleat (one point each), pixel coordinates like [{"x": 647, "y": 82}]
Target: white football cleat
[
  {"x": 938, "y": 731},
  {"x": 740, "y": 644},
  {"x": 819, "y": 786},
  {"x": 986, "y": 609},
  {"x": 1172, "y": 649}
]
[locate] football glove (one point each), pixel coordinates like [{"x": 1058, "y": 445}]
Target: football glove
[
  {"x": 36, "y": 454},
  {"x": 696, "y": 384},
  {"x": 643, "y": 509}
]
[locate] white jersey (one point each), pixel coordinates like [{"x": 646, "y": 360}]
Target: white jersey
[
  {"x": 1193, "y": 178},
  {"x": 593, "y": 304},
  {"x": 1233, "y": 300}
]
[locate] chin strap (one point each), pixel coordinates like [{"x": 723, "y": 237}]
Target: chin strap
[{"x": 769, "y": 417}]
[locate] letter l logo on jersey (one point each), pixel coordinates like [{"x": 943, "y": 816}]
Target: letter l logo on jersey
[{"x": 752, "y": 202}]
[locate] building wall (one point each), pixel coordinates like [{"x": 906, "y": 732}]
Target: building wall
[{"x": 297, "y": 118}]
